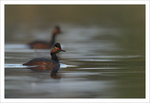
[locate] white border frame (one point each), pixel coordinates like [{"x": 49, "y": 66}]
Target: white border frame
[{"x": 77, "y": 2}]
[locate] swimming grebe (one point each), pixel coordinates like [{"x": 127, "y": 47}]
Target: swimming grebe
[
  {"x": 45, "y": 45},
  {"x": 43, "y": 64}
]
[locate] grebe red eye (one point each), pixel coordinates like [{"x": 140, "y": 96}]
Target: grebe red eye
[{"x": 58, "y": 48}]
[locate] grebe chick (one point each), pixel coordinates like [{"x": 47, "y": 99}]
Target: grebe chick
[
  {"x": 43, "y": 64},
  {"x": 43, "y": 44}
]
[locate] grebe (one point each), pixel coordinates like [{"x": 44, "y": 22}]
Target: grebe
[
  {"x": 45, "y": 45},
  {"x": 43, "y": 64}
]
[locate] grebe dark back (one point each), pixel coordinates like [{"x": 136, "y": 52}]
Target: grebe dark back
[
  {"x": 43, "y": 64},
  {"x": 43, "y": 44}
]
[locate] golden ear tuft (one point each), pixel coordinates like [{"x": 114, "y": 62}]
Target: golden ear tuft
[{"x": 54, "y": 49}]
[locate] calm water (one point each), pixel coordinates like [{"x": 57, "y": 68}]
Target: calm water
[{"x": 104, "y": 59}]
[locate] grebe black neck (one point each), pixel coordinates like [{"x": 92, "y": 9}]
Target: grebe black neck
[
  {"x": 52, "y": 40},
  {"x": 55, "y": 32},
  {"x": 54, "y": 57}
]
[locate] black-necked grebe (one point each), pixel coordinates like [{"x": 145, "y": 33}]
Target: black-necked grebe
[
  {"x": 43, "y": 64},
  {"x": 43, "y": 44}
]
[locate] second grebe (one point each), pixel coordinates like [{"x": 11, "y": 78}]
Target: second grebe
[{"x": 43, "y": 44}]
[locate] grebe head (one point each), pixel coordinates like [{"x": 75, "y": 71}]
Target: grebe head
[
  {"x": 56, "y": 30},
  {"x": 56, "y": 48}
]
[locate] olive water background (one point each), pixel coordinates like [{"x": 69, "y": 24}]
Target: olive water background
[{"x": 105, "y": 47}]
